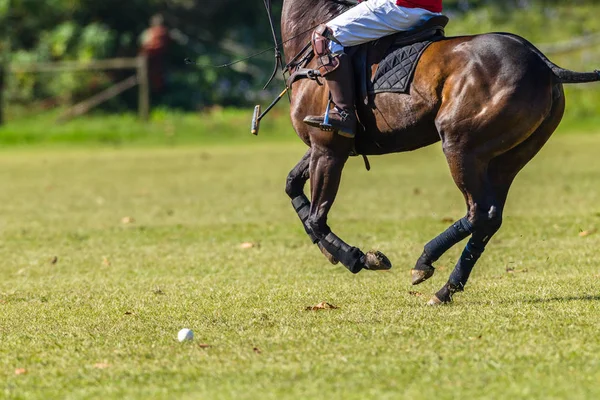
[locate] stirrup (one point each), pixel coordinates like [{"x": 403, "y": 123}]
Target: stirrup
[{"x": 326, "y": 126}]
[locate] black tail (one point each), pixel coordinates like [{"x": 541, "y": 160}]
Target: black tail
[{"x": 564, "y": 75}]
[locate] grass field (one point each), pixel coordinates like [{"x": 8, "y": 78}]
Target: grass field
[{"x": 107, "y": 253}]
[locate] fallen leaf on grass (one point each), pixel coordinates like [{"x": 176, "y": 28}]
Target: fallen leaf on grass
[
  {"x": 587, "y": 233},
  {"x": 127, "y": 220},
  {"x": 20, "y": 371},
  {"x": 511, "y": 270},
  {"x": 106, "y": 261},
  {"x": 204, "y": 345},
  {"x": 248, "y": 245},
  {"x": 322, "y": 306},
  {"x": 54, "y": 260},
  {"x": 416, "y": 294},
  {"x": 256, "y": 350},
  {"x": 128, "y": 313},
  {"x": 102, "y": 365}
]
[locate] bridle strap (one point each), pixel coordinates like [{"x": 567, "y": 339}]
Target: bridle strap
[{"x": 278, "y": 61}]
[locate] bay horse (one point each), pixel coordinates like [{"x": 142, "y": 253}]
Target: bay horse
[{"x": 493, "y": 100}]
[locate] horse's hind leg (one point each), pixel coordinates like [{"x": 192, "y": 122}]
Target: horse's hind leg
[
  {"x": 469, "y": 174},
  {"x": 499, "y": 176},
  {"x": 294, "y": 188},
  {"x": 424, "y": 269},
  {"x": 483, "y": 219}
]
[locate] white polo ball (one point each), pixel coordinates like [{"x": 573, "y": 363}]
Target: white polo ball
[{"x": 185, "y": 335}]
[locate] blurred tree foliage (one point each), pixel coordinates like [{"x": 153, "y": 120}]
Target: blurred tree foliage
[
  {"x": 208, "y": 31},
  {"x": 205, "y": 30}
]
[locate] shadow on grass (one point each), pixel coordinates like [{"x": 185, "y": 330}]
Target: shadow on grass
[{"x": 556, "y": 299}]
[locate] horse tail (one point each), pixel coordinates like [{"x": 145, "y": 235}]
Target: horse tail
[{"x": 564, "y": 75}]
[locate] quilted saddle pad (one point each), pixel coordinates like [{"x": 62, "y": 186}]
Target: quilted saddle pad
[{"x": 396, "y": 71}]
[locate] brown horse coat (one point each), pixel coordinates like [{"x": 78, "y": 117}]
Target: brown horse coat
[{"x": 492, "y": 100}]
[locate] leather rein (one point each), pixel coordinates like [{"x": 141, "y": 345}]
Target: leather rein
[{"x": 304, "y": 56}]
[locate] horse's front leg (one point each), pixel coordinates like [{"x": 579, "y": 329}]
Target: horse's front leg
[
  {"x": 294, "y": 188},
  {"x": 326, "y": 165}
]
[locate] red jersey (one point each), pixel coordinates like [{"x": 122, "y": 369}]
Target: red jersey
[{"x": 430, "y": 5}]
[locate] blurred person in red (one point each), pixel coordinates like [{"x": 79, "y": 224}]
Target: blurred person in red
[{"x": 155, "y": 42}]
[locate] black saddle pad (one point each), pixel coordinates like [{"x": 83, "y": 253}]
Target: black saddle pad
[{"x": 396, "y": 71}]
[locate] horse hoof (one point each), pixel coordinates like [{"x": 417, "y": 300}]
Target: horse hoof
[
  {"x": 444, "y": 295},
  {"x": 377, "y": 261},
  {"x": 328, "y": 255},
  {"x": 435, "y": 302},
  {"x": 421, "y": 275}
]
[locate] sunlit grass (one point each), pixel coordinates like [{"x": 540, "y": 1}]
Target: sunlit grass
[{"x": 100, "y": 320}]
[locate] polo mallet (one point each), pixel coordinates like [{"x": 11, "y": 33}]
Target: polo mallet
[{"x": 257, "y": 116}]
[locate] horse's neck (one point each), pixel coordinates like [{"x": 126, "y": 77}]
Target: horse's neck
[{"x": 297, "y": 19}]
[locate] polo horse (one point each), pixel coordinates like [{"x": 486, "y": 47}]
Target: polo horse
[{"x": 493, "y": 100}]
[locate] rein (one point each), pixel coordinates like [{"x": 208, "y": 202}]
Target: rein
[
  {"x": 267, "y": 3},
  {"x": 278, "y": 61}
]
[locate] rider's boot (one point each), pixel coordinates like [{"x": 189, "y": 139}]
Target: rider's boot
[
  {"x": 342, "y": 117},
  {"x": 337, "y": 70}
]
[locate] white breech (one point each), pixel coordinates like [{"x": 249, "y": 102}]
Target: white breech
[{"x": 374, "y": 19}]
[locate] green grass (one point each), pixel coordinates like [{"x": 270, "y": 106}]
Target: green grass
[
  {"x": 165, "y": 128},
  {"x": 102, "y": 321},
  {"x": 212, "y": 127}
]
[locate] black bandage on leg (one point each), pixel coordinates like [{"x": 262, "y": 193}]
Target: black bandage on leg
[
  {"x": 462, "y": 271},
  {"x": 302, "y": 207},
  {"x": 351, "y": 257},
  {"x": 460, "y": 230}
]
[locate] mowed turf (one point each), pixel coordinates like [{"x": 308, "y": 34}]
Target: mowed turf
[{"x": 107, "y": 254}]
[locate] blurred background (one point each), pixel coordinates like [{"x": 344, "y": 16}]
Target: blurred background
[{"x": 66, "y": 58}]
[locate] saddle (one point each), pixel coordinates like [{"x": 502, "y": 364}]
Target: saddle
[
  {"x": 388, "y": 64},
  {"x": 384, "y": 65}
]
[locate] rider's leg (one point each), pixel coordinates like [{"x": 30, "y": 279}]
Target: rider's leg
[
  {"x": 337, "y": 69},
  {"x": 374, "y": 19}
]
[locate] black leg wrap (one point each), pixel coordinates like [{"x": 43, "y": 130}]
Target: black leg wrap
[
  {"x": 351, "y": 257},
  {"x": 445, "y": 294},
  {"x": 424, "y": 263},
  {"x": 460, "y": 230},
  {"x": 462, "y": 271},
  {"x": 302, "y": 207}
]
